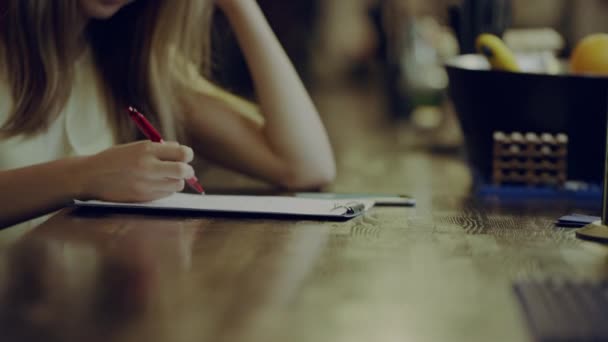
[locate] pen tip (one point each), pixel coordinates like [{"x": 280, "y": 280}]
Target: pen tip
[{"x": 196, "y": 186}]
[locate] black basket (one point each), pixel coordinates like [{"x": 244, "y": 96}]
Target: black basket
[{"x": 487, "y": 101}]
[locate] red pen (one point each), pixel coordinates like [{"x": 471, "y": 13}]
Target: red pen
[{"x": 151, "y": 133}]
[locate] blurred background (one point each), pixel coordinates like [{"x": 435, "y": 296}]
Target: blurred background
[
  {"x": 387, "y": 57},
  {"x": 395, "y": 44}
]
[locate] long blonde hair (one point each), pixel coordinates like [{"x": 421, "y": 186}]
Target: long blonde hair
[{"x": 146, "y": 55}]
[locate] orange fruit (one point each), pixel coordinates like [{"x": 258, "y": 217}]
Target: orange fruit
[{"x": 590, "y": 55}]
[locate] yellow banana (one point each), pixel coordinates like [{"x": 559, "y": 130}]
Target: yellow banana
[{"x": 497, "y": 53}]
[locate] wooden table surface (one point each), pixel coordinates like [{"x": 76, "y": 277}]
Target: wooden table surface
[{"x": 441, "y": 271}]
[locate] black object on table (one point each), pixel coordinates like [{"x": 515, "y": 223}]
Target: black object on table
[{"x": 559, "y": 310}]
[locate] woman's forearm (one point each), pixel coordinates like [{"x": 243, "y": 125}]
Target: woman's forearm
[
  {"x": 137, "y": 172},
  {"x": 293, "y": 128},
  {"x": 36, "y": 190}
]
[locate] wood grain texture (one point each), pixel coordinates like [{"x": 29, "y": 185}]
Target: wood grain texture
[{"x": 441, "y": 271}]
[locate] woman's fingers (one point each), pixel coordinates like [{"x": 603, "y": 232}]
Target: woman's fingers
[
  {"x": 151, "y": 189},
  {"x": 170, "y": 161},
  {"x": 174, "y": 170},
  {"x": 172, "y": 152},
  {"x": 167, "y": 185}
]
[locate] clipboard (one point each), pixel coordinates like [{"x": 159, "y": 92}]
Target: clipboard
[{"x": 245, "y": 205}]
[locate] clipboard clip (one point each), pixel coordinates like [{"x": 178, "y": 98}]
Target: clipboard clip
[{"x": 352, "y": 208}]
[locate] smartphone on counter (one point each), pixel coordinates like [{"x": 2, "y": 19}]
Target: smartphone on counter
[{"x": 380, "y": 199}]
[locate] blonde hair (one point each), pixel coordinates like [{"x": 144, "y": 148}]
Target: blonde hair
[{"x": 150, "y": 54}]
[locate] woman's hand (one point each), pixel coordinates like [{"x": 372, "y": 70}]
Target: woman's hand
[{"x": 136, "y": 172}]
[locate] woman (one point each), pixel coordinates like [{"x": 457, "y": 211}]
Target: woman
[{"x": 69, "y": 68}]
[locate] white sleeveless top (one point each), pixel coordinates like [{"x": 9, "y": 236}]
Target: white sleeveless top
[{"x": 82, "y": 127}]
